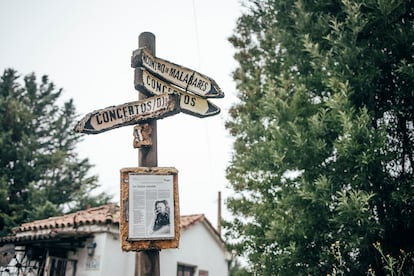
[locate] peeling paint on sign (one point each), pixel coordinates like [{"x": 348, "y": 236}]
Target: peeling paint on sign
[
  {"x": 129, "y": 113},
  {"x": 189, "y": 103},
  {"x": 186, "y": 78}
]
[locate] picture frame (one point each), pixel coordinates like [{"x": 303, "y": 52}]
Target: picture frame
[{"x": 150, "y": 217}]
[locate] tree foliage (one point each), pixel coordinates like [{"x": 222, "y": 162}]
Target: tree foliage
[
  {"x": 40, "y": 172},
  {"x": 323, "y": 134}
]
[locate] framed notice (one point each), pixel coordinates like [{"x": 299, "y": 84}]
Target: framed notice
[{"x": 149, "y": 207}]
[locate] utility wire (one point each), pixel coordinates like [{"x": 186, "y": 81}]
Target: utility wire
[{"x": 196, "y": 33}]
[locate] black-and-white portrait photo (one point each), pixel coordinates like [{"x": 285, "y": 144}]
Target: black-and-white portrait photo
[{"x": 160, "y": 223}]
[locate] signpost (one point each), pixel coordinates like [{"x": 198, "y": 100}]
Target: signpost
[{"x": 150, "y": 191}]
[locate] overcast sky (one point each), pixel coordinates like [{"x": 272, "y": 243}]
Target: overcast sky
[{"x": 85, "y": 47}]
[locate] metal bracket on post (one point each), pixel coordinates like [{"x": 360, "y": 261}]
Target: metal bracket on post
[{"x": 142, "y": 136}]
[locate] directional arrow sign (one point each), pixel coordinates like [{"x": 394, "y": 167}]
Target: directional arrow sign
[
  {"x": 189, "y": 103},
  {"x": 185, "y": 78},
  {"x": 131, "y": 113}
]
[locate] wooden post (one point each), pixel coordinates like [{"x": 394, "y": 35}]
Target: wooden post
[
  {"x": 147, "y": 262},
  {"x": 147, "y": 156}
]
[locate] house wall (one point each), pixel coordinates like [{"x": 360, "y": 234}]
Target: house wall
[
  {"x": 197, "y": 248},
  {"x": 108, "y": 259},
  {"x": 114, "y": 260}
]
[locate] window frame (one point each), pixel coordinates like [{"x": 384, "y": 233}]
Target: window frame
[{"x": 184, "y": 269}]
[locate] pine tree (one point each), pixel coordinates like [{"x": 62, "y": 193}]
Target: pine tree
[
  {"x": 324, "y": 136},
  {"x": 40, "y": 172}
]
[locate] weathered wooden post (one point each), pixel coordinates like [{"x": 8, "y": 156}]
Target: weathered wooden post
[
  {"x": 147, "y": 262},
  {"x": 147, "y": 156}
]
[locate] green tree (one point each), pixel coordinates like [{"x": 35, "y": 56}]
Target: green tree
[
  {"x": 236, "y": 269},
  {"x": 40, "y": 172},
  {"x": 323, "y": 134}
]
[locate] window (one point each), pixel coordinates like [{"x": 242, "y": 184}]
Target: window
[
  {"x": 61, "y": 266},
  {"x": 185, "y": 270},
  {"x": 202, "y": 272}
]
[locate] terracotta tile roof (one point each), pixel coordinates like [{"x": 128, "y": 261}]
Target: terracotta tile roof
[
  {"x": 187, "y": 221},
  {"x": 105, "y": 214},
  {"x": 66, "y": 225}
]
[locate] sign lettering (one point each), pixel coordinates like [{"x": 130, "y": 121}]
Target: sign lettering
[
  {"x": 129, "y": 113},
  {"x": 187, "y": 79},
  {"x": 189, "y": 103}
]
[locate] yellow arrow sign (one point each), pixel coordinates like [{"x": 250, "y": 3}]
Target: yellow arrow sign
[
  {"x": 189, "y": 103},
  {"x": 129, "y": 113},
  {"x": 187, "y": 79}
]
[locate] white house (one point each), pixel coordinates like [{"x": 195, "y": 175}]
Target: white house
[{"x": 87, "y": 243}]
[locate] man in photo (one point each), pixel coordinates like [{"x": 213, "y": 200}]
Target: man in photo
[{"x": 161, "y": 222}]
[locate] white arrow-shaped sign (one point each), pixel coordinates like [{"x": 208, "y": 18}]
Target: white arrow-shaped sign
[
  {"x": 187, "y": 79},
  {"x": 156, "y": 107},
  {"x": 189, "y": 103}
]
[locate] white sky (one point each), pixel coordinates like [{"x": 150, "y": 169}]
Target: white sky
[{"x": 85, "y": 48}]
